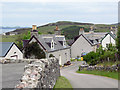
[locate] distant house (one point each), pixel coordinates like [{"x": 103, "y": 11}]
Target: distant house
[
  {"x": 11, "y": 33},
  {"x": 86, "y": 42},
  {"x": 109, "y": 38},
  {"x": 9, "y": 50},
  {"x": 54, "y": 44}
]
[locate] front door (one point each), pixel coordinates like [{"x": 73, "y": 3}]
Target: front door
[{"x": 60, "y": 59}]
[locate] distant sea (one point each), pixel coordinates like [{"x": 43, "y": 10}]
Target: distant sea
[{"x": 6, "y": 30}]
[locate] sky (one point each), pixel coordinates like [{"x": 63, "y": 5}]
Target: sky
[{"x": 34, "y": 12}]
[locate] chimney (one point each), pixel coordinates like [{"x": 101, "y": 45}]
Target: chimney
[
  {"x": 81, "y": 31},
  {"x": 91, "y": 30},
  {"x": 56, "y": 27},
  {"x": 34, "y": 27},
  {"x": 34, "y": 31},
  {"x": 57, "y": 31},
  {"x": 111, "y": 30}
]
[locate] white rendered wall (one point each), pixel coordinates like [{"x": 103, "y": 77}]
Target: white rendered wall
[
  {"x": 62, "y": 55},
  {"x": 107, "y": 40},
  {"x": 12, "y": 52}
]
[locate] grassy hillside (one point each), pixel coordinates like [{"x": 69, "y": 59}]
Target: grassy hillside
[
  {"x": 72, "y": 31},
  {"x": 69, "y": 29}
]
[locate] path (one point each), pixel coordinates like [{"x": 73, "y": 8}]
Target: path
[{"x": 85, "y": 80}]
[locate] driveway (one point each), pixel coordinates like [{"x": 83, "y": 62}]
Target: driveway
[
  {"x": 11, "y": 74},
  {"x": 85, "y": 80}
]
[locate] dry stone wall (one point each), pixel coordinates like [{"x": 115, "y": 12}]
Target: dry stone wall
[{"x": 41, "y": 73}]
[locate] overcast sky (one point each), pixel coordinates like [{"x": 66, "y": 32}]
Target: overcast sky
[{"x": 39, "y": 13}]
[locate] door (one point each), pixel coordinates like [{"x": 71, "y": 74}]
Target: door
[{"x": 60, "y": 60}]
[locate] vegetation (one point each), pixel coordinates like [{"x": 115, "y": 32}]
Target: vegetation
[
  {"x": 113, "y": 75},
  {"x": 101, "y": 56},
  {"x": 118, "y": 41},
  {"x": 51, "y": 55},
  {"x": 62, "y": 83},
  {"x": 72, "y": 31},
  {"x": 33, "y": 50}
]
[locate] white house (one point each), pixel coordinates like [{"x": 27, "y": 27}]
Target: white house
[
  {"x": 9, "y": 50},
  {"x": 86, "y": 42},
  {"x": 54, "y": 44},
  {"x": 109, "y": 38}
]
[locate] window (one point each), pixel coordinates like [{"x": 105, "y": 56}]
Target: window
[
  {"x": 52, "y": 45},
  {"x": 107, "y": 45}
]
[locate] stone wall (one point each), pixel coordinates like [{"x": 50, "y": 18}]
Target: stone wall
[
  {"x": 100, "y": 68},
  {"x": 41, "y": 73}
]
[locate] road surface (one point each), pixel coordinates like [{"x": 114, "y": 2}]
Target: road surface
[
  {"x": 86, "y": 80},
  {"x": 11, "y": 74}
]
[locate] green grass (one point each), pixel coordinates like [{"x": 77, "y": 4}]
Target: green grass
[
  {"x": 113, "y": 75},
  {"x": 8, "y": 38},
  {"x": 62, "y": 82}
]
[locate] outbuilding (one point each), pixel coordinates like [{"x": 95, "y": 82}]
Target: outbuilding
[{"x": 9, "y": 50}]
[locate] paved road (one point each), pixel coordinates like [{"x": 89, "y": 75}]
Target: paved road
[
  {"x": 85, "y": 80},
  {"x": 11, "y": 74}
]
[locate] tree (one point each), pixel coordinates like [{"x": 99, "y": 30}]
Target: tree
[
  {"x": 39, "y": 32},
  {"x": 33, "y": 50},
  {"x": 27, "y": 36},
  {"x": 118, "y": 41},
  {"x": 19, "y": 41}
]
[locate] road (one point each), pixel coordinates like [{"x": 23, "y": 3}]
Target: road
[
  {"x": 86, "y": 80},
  {"x": 11, "y": 74}
]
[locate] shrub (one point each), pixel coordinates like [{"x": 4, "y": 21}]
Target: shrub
[
  {"x": 33, "y": 50},
  {"x": 51, "y": 55},
  {"x": 90, "y": 56}
]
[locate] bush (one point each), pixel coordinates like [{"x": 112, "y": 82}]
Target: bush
[
  {"x": 90, "y": 56},
  {"x": 51, "y": 55}
]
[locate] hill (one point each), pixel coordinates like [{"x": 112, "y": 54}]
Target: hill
[{"x": 69, "y": 29}]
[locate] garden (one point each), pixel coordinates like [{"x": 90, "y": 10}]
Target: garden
[{"x": 103, "y": 62}]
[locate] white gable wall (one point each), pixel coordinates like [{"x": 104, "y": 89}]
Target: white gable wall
[
  {"x": 107, "y": 40},
  {"x": 13, "y": 52},
  {"x": 62, "y": 55},
  {"x": 79, "y": 46}
]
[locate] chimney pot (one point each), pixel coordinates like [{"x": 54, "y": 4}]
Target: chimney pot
[
  {"x": 56, "y": 27},
  {"x": 34, "y": 27}
]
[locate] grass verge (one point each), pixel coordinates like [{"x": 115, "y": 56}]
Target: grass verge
[
  {"x": 62, "y": 82},
  {"x": 113, "y": 75}
]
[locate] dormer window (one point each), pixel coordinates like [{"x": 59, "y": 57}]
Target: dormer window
[{"x": 64, "y": 43}]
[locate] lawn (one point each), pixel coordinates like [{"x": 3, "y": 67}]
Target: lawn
[
  {"x": 113, "y": 75},
  {"x": 62, "y": 82}
]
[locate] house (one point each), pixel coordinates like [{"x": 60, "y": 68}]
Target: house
[
  {"x": 9, "y": 50},
  {"x": 54, "y": 44},
  {"x": 109, "y": 38},
  {"x": 11, "y": 33},
  {"x": 86, "y": 42}
]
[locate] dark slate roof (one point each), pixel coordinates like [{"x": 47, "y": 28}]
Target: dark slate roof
[
  {"x": 92, "y": 38},
  {"x": 45, "y": 42},
  {"x": 4, "y": 47},
  {"x": 25, "y": 42}
]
